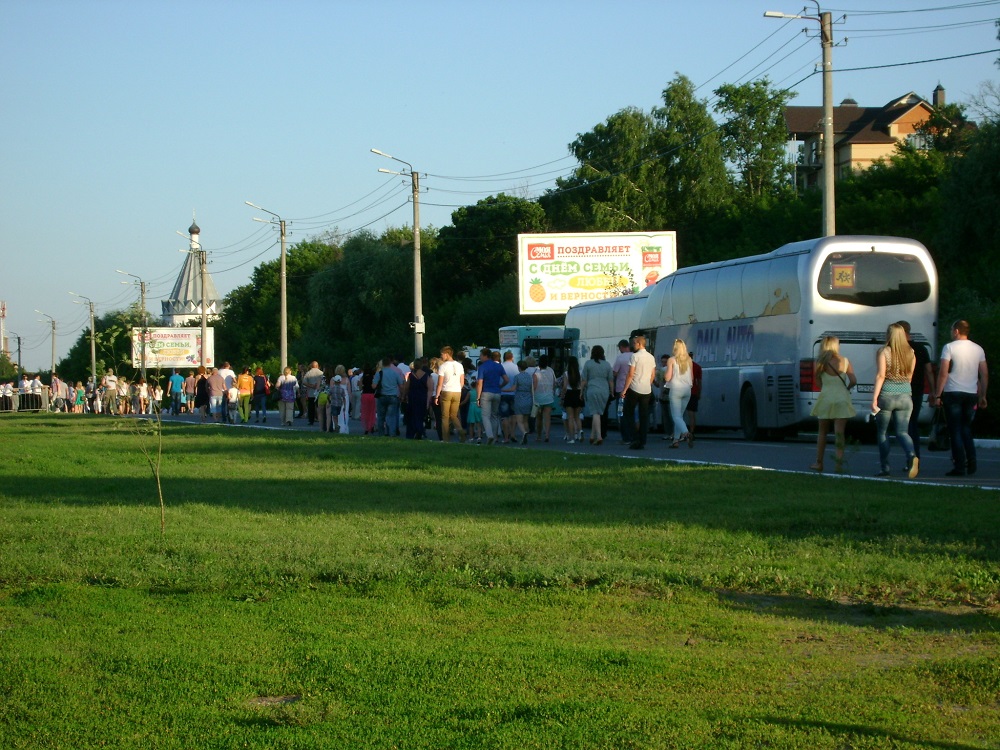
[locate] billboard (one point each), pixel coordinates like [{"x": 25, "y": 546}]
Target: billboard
[
  {"x": 173, "y": 347},
  {"x": 557, "y": 271}
]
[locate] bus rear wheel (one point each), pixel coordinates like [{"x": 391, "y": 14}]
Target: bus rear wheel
[{"x": 748, "y": 415}]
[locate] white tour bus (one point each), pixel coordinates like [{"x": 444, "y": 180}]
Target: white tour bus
[
  {"x": 604, "y": 322},
  {"x": 754, "y": 324}
]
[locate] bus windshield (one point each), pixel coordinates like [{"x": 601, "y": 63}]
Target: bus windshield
[{"x": 873, "y": 279}]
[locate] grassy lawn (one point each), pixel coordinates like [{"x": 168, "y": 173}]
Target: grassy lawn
[{"x": 320, "y": 592}]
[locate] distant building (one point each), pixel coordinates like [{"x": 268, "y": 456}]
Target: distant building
[
  {"x": 861, "y": 135},
  {"x": 184, "y": 304}
]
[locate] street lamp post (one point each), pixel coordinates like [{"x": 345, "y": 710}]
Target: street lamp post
[
  {"x": 283, "y": 282},
  {"x": 145, "y": 321},
  {"x": 53, "y": 340},
  {"x": 418, "y": 305},
  {"x": 93, "y": 348},
  {"x": 18, "y": 337},
  {"x": 826, "y": 37}
]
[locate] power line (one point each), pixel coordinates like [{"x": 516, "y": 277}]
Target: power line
[
  {"x": 957, "y": 6},
  {"x": 916, "y": 62}
]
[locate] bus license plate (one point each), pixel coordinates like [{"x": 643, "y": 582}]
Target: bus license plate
[{"x": 869, "y": 388}]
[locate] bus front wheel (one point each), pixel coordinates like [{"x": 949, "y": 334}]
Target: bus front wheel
[{"x": 748, "y": 415}]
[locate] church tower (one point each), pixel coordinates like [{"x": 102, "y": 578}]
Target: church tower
[{"x": 184, "y": 304}]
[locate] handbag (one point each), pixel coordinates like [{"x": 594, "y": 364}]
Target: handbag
[{"x": 940, "y": 438}]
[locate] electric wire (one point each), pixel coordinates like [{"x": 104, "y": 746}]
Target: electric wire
[{"x": 945, "y": 8}]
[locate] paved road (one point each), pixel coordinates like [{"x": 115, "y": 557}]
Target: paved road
[{"x": 730, "y": 449}]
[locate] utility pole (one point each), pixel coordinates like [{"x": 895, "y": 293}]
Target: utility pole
[
  {"x": 418, "y": 294},
  {"x": 145, "y": 320},
  {"x": 825, "y": 21},
  {"x": 3, "y": 334},
  {"x": 93, "y": 348},
  {"x": 53, "y": 339},
  {"x": 282, "y": 279},
  {"x": 19, "y": 368},
  {"x": 203, "y": 261},
  {"x": 829, "y": 205},
  {"x": 418, "y": 309}
]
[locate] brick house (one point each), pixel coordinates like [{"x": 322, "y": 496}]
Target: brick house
[{"x": 861, "y": 134}]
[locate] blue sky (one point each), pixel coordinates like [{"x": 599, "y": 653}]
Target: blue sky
[{"x": 122, "y": 118}]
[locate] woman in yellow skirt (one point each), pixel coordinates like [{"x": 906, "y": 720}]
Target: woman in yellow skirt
[{"x": 836, "y": 376}]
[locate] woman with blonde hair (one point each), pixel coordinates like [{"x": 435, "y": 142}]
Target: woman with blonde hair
[
  {"x": 833, "y": 406},
  {"x": 680, "y": 377},
  {"x": 891, "y": 398}
]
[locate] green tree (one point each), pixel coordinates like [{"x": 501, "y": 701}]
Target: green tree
[
  {"x": 895, "y": 196},
  {"x": 112, "y": 347},
  {"x": 480, "y": 246},
  {"x": 968, "y": 240},
  {"x": 8, "y": 370},
  {"x": 361, "y": 305},
  {"x": 755, "y": 136},
  {"x": 610, "y": 190},
  {"x": 249, "y": 329},
  {"x": 690, "y": 151},
  {"x": 947, "y": 129}
]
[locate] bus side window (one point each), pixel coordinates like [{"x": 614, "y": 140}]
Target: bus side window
[
  {"x": 756, "y": 295},
  {"x": 729, "y": 290},
  {"x": 681, "y": 299},
  {"x": 705, "y": 298}
]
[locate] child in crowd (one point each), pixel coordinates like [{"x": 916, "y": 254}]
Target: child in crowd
[
  {"x": 336, "y": 392},
  {"x": 233, "y": 404},
  {"x": 475, "y": 413}
]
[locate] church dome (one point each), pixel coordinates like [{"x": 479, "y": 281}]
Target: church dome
[{"x": 194, "y": 229}]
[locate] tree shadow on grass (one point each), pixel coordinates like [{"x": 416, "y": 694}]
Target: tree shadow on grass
[
  {"x": 864, "y": 615},
  {"x": 848, "y": 733},
  {"x": 303, "y": 473}
]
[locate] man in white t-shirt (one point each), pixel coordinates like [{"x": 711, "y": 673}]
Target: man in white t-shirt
[
  {"x": 638, "y": 390},
  {"x": 110, "y": 383},
  {"x": 961, "y": 386},
  {"x": 451, "y": 378},
  {"x": 226, "y": 371}
]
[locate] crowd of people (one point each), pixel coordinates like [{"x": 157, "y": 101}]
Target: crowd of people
[
  {"x": 904, "y": 372},
  {"x": 497, "y": 400},
  {"x": 111, "y": 396},
  {"x": 492, "y": 399}
]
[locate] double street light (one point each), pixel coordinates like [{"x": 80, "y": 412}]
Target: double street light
[
  {"x": 418, "y": 306},
  {"x": 283, "y": 280},
  {"x": 93, "y": 348},
  {"x": 17, "y": 336},
  {"x": 145, "y": 320},
  {"x": 826, "y": 37},
  {"x": 53, "y": 338}
]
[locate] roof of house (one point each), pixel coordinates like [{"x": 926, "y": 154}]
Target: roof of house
[{"x": 856, "y": 124}]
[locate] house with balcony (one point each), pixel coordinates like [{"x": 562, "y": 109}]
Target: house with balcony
[{"x": 861, "y": 135}]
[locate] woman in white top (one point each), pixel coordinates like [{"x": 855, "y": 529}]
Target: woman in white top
[{"x": 680, "y": 377}]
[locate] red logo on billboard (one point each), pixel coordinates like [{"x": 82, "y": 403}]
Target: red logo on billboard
[
  {"x": 650, "y": 259},
  {"x": 541, "y": 252}
]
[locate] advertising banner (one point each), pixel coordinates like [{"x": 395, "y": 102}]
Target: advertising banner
[
  {"x": 557, "y": 271},
  {"x": 173, "y": 347}
]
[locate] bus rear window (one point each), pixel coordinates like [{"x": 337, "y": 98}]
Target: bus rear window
[{"x": 874, "y": 279}]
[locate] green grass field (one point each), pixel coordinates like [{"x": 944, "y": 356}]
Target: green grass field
[{"x": 346, "y": 592}]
